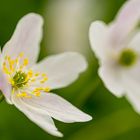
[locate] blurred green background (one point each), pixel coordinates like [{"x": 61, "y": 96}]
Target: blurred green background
[{"x": 66, "y": 29}]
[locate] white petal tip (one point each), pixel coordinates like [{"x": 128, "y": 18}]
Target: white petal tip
[
  {"x": 79, "y": 60},
  {"x": 95, "y": 28},
  {"x": 83, "y": 118},
  {"x": 58, "y": 134},
  {"x": 89, "y": 118},
  {"x": 96, "y": 24},
  {"x": 86, "y": 118},
  {"x": 55, "y": 133},
  {"x": 82, "y": 61},
  {"x": 34, "y": 17}
]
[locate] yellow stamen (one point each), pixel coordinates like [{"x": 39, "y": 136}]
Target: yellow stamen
[
  {"x": 12, "y": 81},
  {"x": 25, "y": 62},
  {"x": 21, "y": 54},
  {"x": 24, "y": 94},
  {"x": 44, "y": 75},
  {"x": 36, "y": 74},
  {"x": 47, "y": 89},
  {"x": 11, "y": 63},
  {"x": 20, "y": 79},
  {"x": 37, "y": 93},
  {"x": 30, "y": 73},
  {"x": 5, "y": 69},
  {"x": 33, "y": 80},
  {"x": 16, "y": 60}
]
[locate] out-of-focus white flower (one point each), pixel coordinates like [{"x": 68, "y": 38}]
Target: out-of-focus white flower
[
  {"x": 27, "y": 85},
  {"x": 117, "y": 46}
]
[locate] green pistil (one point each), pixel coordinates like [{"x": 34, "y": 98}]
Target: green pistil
[
  {"x": 128, "y": 58},
  {"x": 19, "y": 79}
]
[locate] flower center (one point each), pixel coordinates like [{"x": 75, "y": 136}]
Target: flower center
[
  {"x": 24, "y": 82},
  {"x": 19, "y": 79},
  {"x": 128, "y": 57}
]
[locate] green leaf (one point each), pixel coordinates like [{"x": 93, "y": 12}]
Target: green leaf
[{"x": 1, "y": 96}]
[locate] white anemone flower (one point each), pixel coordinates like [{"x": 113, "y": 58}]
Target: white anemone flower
[
  {"x": 117, "y": 46},
  {"x": 27, "y": 85}
]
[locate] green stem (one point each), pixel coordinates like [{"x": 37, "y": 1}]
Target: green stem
[{"x": 1, "y": 97}]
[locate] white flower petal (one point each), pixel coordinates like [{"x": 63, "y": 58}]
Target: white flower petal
[
  {"x": 62, "y": 69},
  {"x": 134, "y": 99},
  {"x": 111, "y": 77},
  {"x": 130, "y": 81},
  {"x": 135, "y": 42},
  {"x": 5, "y": 87},
  {"x": 26, "y": 38},
  {"x": 98, "y": 35},
  {"x": 58, "y": 108},
  {"x": 131, "y": 77},
  {"x": 127, "y": 18},
  {"x": 42, "y": 120},
  {"x": 118, "y": 79}
]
